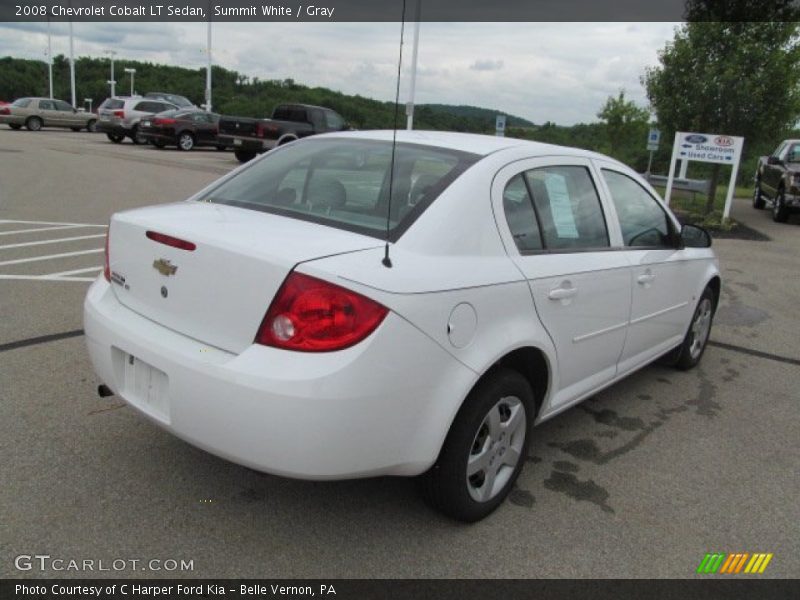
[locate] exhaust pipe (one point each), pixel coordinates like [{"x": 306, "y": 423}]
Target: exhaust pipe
[{"x": 104, "y": 391}]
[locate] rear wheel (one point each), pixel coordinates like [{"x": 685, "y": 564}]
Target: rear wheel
[
  {"x": 485, "y": 448},
  {"x": 115, "y": 137},
  {"x": 780, "y": 212},
  {"x": 185, "y": 141},
  {"x": 91, "y": 126},
  {"x": 158, "y": 144},
  {"x": 75, "y": 128},
  {"x": 758, "y": 199},
  {"x": 15, "y": 126},
  {"x": 222, "y": 147},
  {"x": 137, "y": 137},
  {"x": 33, "y": 124},
  {"x": 243, "y": 155}
]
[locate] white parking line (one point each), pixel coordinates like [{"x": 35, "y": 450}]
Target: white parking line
[
  {"x": 38, "y": 229},
  {"x": 44, "y": 278},
  {"x": 42, "y": 242},
  {"x": 51, "y": 223},
  {"x": 50, "y": 257},
  {"x": 74, "y": 272}
]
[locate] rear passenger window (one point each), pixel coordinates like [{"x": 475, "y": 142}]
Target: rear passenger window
[
  {"x": 520, "y": 216},
  {"x": 568, "y": 208},
  {"x": 642, "y": 220}
]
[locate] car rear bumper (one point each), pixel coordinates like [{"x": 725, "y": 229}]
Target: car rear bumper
[
  {"x": 246, "y": 144},
  {"x": 12, "y": 120},
  {"x": 381, "y": 407}
]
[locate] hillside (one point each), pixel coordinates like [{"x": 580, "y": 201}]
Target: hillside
[{"x": 234, "y": 93}]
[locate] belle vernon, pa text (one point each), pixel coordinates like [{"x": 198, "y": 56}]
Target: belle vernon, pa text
[
  {"x": 171, "y": 10},
  {"x": 173, "y": 591}
]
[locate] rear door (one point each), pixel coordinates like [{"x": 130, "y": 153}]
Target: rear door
[
  {"x": 557, "y": 234},
  {"x": 664, "y": 275}
]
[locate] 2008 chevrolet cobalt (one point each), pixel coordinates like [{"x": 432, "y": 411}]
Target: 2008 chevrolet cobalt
[{"x": 347, "y": 306}]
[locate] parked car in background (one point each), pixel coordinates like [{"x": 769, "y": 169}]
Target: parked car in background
[
  {"x": 184, "y": 128},
  {"x": 35, "y": 113},
  {"x": 179, "y": 101},
  {"x": 289, "y": 122},
  {"x": 777, "y": 181},
  {"x": 350, "y": 307},
  {"x": 119, "y": 117}
]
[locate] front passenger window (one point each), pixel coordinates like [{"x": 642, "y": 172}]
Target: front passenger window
[{"x": 642, "y": 220}]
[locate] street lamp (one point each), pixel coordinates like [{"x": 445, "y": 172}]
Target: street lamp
[
  {"x": 112, "y": 82},
  {"x": 132, "y": 73},
  {"x": 89, "y": 100}
]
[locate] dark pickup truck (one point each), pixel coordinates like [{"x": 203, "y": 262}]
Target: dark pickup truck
[
  {"x": 777, "y": 181},
  {"x": 289, "y": 122}
]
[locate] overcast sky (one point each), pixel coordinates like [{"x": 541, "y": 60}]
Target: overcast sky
[{"x": 560, "y": 72}]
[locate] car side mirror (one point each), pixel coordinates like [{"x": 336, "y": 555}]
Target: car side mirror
[
  {"x": 774, "y": 160},
  {"x": 693, "y": 236}
]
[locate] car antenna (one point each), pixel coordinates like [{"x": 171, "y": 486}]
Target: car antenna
[{"x": 387, "y": 262}]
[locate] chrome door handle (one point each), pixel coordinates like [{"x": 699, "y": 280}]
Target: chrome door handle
[
  {"x": 645, "y": 278},
  {"x": 562, "y": 293}
]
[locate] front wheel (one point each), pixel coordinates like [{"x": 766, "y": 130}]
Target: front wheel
[
  {"x": 485, "y": 448},
  {"x": 758, "y": 199},
  {"x": 91, "y": 126},
  {"x": 780, "y": 212},
  {"x": 115, "y": 137},
  {"x": 137, "y": 137},
  {"x": 689, "y": 353}
]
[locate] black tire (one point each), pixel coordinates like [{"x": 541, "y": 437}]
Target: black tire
[
  {"x": 185, "y": 141},
  {"x": 75, "y": 128},
  {"x": 91, "y": 126},
  {"x": 687, "y": 356},
  {"x": 34, "y": 124},
  {"x": 136, "y": 137},
  {"x": 115, "y": 137},
  {"x": 158, "y": 144},
  {"x": 780, "y": 212},
  {"x": 15, "y": 126},
  {"x": 758, "y": 199},
  {"x": 222, "y": 147},
  {"x": 244, "y": 156},
  {"x": 447, "y": 487}
]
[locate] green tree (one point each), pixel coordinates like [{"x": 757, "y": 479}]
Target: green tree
[
  {"x": 625, "y": 127},
  {"x": 737, "y": 78}
]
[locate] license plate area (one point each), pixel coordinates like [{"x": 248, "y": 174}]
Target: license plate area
[
  {"x": 145, "y": 387},
  {"x": 237, "y": 142}
]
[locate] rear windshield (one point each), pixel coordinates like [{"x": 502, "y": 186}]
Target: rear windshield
[
  {"x": 290, "y": 113},
  {"x": 344, "y": 183},
  {"x": 112, "y": 103},
  {"x": 21, "y": 103}
]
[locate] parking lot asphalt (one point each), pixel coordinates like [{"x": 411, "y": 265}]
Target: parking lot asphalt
[{"x": 640, "y": 481}]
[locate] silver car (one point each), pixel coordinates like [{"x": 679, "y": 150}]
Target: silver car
[
  {"x": 35, "y": 113},
  {"x": 119, "y": 117}
]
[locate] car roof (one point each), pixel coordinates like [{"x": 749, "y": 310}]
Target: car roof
[{"x": 466, "y": 142}]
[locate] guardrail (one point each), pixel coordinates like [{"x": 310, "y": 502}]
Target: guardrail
[{"x": 696, "y": 186}]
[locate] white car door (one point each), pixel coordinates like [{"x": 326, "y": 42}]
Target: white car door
[
  {"x": 664, "y": 275},
  {"x": 552, "y": 221}
]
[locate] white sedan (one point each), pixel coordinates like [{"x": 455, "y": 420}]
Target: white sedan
[{"x": 349, "y": 307}]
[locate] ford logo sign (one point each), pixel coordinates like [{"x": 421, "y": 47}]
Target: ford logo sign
[
  {"x": 696, "y": 139},
  {"x": 724, "y": 141}
]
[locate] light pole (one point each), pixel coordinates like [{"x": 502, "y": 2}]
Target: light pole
[
  {"x": 132, "y": 73},
  {"x": 49, "y": 58},
  {"x": 71, "y": 63},
  {"x": 89, "y": 100},
  {"x": 208, "y": 69},
  {"x": 413, "y": 87},
  {"x": 112, "y": 82}
]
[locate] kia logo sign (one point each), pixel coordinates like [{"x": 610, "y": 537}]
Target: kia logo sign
[
  {"x": 696, "y": 139},
  {"x": 724, "y": 141}
]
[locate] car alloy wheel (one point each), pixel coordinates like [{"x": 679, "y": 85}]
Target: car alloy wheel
[
  {"x": 496, "y": 449},
  {"x": 780, "y": 214},
  {"x": 701, "y": 326},
  {"x": 186, "y": 141},
  {"x": 758, "y": 201},
  {"x": 34, "y": 124}
]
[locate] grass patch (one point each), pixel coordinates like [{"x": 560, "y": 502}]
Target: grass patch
[{"x": 690, "y": 207}]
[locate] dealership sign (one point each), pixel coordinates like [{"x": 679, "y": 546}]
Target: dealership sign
[{"x": 707, "y": 148}]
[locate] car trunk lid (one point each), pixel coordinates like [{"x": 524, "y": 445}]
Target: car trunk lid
[{"x": 219, "y": 291}]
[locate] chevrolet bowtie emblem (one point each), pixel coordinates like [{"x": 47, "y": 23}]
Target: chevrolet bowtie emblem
[{"x": 163, "y": 266}]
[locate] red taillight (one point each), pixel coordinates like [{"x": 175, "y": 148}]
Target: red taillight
[
  {"x": 170, "y": 241},
  {"x": 107, "y": 267},
  {"x": 161, "y": 121},
  {"x": 5, "y": 111},
  {"x": 119, "y": 113},
  {"x": 312, "y": 315},
  {"x": 263, "y": 128}
]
